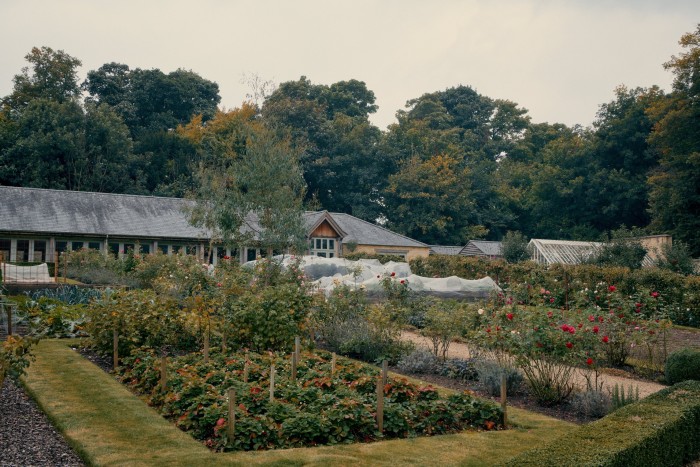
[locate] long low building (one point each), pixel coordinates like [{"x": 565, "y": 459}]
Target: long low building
[{"x": 36, "y": 224}]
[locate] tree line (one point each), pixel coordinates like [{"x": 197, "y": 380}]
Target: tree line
[{"x": 457, "y": 165}]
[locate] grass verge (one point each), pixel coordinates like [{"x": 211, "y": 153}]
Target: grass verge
[{"x": 108, "y": 425}]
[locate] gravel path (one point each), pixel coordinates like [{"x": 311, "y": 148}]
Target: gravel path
[
  {"x": 460, "y": 350},
  {"x": 27, "y": 438}
]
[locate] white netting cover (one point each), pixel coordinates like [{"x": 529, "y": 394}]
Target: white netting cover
[
  {"x": 25, "y": 274},
  {"x": 328, "y": 273}
]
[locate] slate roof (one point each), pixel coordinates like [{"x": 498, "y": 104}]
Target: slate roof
[
  {"x": 481, "y": 248},
  {"x": 34, "y": 210},
  {"x": 62, "y": 212},
  {"x": 363, "y": 232},
  {"x": 445, "y": 250}
]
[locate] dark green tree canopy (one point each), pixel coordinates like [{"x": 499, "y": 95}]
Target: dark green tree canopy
[{"x": 52, "y": 75}]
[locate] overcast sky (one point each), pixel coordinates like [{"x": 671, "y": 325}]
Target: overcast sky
[{"x": 558, "y": 59}]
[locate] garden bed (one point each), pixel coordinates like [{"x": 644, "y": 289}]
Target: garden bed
[{"x": 324, "y": 405}]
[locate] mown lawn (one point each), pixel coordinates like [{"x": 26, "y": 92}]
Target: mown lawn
[{"x": 108, "y": 425}]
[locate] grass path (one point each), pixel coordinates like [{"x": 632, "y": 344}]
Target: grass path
[{"x": 107, "y": 425}]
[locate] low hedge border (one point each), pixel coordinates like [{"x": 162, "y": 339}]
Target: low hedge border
[{"x": 663, "y": 429}]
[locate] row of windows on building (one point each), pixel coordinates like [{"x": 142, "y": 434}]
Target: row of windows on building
[{"x": 45, "y": 250}]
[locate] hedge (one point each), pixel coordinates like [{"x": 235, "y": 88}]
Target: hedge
[
  {"x": 663, "y": 429},
  {"x": 681, "y": 293}
]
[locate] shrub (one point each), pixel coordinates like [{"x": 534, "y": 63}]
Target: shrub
[
  {"x": 460, "y": 369},
  {"x": 381, "y": 258},
  {"x": 350, "y": 326},
  {"x": 676, "y": 257},
  {"x": 662, "y": 429},
  {"x": 591, "y": 403},
  {"x": 490, "y": 375},
  {"x": 444, "y": 321},
  {"x": 420, "y": 361},
  {"x": 683, "y": 365},
  {"x": 514, "y": 247}
]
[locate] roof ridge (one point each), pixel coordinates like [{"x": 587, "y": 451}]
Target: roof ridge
[{"x": 28, "y": 188}]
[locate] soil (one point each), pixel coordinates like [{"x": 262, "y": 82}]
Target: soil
[{"x": 26, "y": 435}]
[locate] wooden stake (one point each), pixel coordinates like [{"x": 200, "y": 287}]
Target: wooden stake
[
  {"x": 504, "y": 399},
  {"x": 333, "y": 364},
  {"x": 294, "y": 367},
  {"x": 272, "y": 383},
  {"x": 223, "y": 343},
  {"x": 385, "y": 371},
  {"x": 115, "y": 344},
  {"x": 380, "y": 405},
  {"x": 8, "y": 310},
  {"x": 163, "y": 373},
  {"x": 297, "y": 348},
  {"x": 246, "y": 370},
  {"x": 231, "y": 415}
]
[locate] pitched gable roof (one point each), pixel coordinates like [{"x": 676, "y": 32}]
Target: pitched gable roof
[
  {"x": 65, "y": 212},
  {"x": 312, "y": 222},
  {"x": 481, "y": 248},
  {"x": 366, "y": 233}
]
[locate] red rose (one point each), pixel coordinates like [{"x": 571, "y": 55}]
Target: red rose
[
  {"x": 569, "y": 345},
  {"x": 509, "y": 316},
  {"x": 551, "y": 300},
  {"x": 572, "y": 330},
  {"x": 589, "y": 362},
  {"x": 218, "y": 284},
  {"x": 550, "y": 314},
  {"x": 605, "y": 339},
  {"x": 638, "y": 305},
  {"x": 488, "y": 329},
  {"x": 565, "y": 327},
  {"x": 393, "y": 274},
  {"x": 591, "y": 318},
  {"x": 580, "y": 325},
  {"x": 403, "y": 281},
  {"x": 220, "y": 422},
  {"x": 596, "y": 329},
  {"x": 601, "y": 319},
  {"x": 612, "y": 288},
  {"x": 655, "y": 294}
]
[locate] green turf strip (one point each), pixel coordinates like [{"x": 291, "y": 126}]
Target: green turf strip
[{"x": 108, "y": 425}]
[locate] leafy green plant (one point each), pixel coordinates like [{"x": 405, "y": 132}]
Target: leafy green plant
[
  {"x": 15, "y": 356},
  {"x": 67, "y": 294},
  {"x": 619, "y": 399},
  {"x": 320, "y": 407}
]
